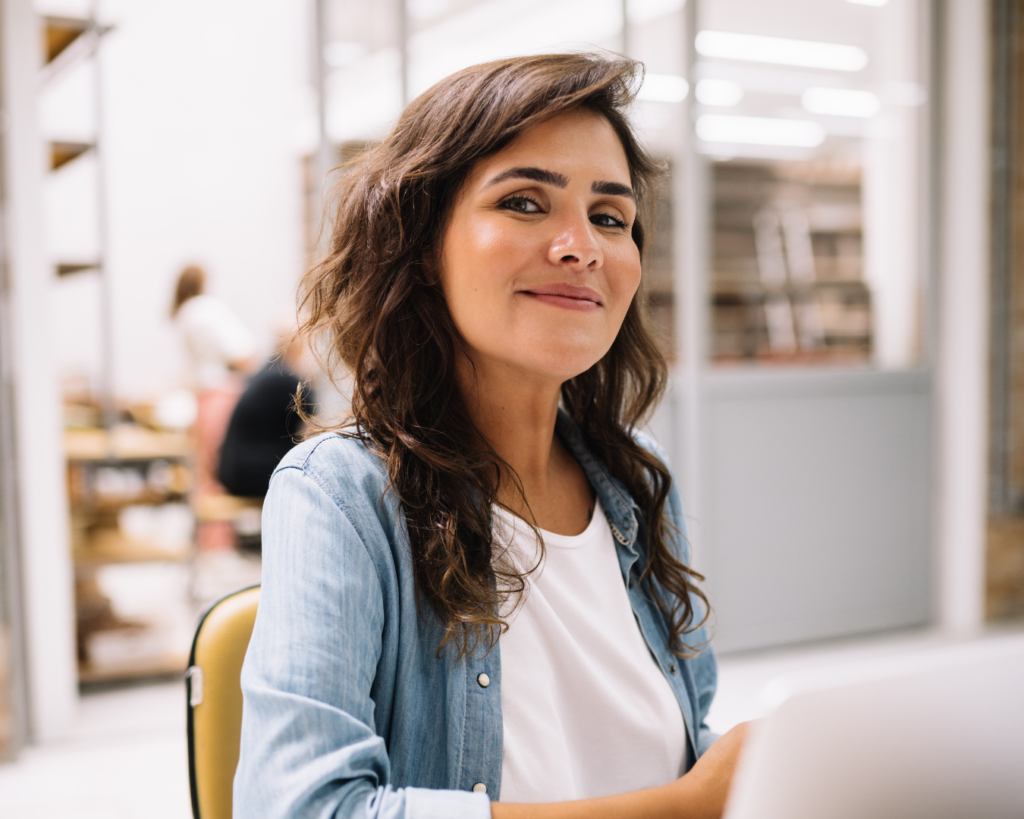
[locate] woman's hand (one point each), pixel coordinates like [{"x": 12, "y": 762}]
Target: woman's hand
[{"x": 700, "y": 794}]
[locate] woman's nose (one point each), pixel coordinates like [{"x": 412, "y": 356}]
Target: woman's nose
[{"x": 576, "y": 245}]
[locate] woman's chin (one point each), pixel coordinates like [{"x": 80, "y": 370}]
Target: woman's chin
[{"x": 560, "y": 369}]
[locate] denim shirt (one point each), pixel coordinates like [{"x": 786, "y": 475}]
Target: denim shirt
[{"x": 348, "y": 709}]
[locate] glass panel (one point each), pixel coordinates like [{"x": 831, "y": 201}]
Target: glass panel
[
  {"x": 447, "y": 35},
  {"x": 363, "y": 55},
  {"x": 812, "y": 115},
  {"x": 656, "y": 35}
]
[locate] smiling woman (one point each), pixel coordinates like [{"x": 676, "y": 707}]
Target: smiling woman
[
  {"x": 477, "y": 588},
  {"x": 523, "y": 240}
]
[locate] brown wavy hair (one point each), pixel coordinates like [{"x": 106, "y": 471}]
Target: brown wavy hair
[
  {"x": 376, "y": 298},
  {"x": 191, "y": 283}
]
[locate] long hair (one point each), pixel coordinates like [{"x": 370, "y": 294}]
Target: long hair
[
  {"x": 191, "y": 282},
  {"x": 376, "y": 298}
]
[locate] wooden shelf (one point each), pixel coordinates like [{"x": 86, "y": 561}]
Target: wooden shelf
[
  {"x": 787, "y": 257},
  {"x": 125, "y": 443},
  {"x": 70, "y": 268},
  {"x": 210, "y": 508},
  {"x": 129, "y": 465},
  {"x": 59, "y": 33},
  {"x": 61, "y": 153},
  {"x": 135, "y": 669},
  {"x": 107, "y": 547}
]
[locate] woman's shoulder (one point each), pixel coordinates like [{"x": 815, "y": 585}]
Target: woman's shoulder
[
  {"x": 646, "y": 441},
  {"x": 345, "y": 467}
]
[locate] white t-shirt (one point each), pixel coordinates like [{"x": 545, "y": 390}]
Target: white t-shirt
[
  {"x": 214, "y": 337},
  {"x": 586, "y": 710}
]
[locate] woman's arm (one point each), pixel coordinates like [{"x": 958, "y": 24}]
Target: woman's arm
[
  {"x": 701, "y": 794},
  {"x": 309, "y": 747}
]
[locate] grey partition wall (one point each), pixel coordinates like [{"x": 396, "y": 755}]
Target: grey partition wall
[
  {"x": 801, "y": 416},
  {"x": 816, "y": 518}
]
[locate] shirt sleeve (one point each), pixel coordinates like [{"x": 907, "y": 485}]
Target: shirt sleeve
[{"x": 308, "y": 747}]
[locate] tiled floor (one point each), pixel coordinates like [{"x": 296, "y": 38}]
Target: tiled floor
[
  {"x": 124, "y": 759},
  {"x": 126, "y": 756}
]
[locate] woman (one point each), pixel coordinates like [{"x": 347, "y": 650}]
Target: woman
[
  {"x": 218, "y": 347},
  {"x": 472, "y": 593}
]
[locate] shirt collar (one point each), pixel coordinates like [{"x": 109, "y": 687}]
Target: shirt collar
[{"x": 619, "y": 507}]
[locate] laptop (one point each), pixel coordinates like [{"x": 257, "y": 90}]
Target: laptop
[{"x": 938, "y": 734}]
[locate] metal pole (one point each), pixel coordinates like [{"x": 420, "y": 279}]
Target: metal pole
[
  {"x": 108, "y": 401},
  {"x": 325, "y": 155},
  {"x": 1000, "y": 448},
  {"x": 12, "y": 629},
  {"x": 625, "y": 28},
  {"x": 689, "y": 193},
  {"x": 403, "y": 49}
]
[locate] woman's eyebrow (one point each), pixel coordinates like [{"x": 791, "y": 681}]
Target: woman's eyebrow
[
  {"x": 560, "y": 181},
  {"x": 533, "y": 174},
  {"x": 613, "y": 189}
]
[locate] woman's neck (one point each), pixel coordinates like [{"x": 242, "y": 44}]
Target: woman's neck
[{"x": 516, "y": 414}]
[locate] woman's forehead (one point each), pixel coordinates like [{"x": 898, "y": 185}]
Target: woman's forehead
[{"x": 569, "y": 145}]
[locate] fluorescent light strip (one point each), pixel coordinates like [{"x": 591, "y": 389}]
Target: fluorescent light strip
[
  {"x": 796, "y": 133},
  {"x": 664, "y": 88},
  {"x": 780, "y": 51},
  {"x": 840, "y": 102},
  {"x": 722, "y": 93},
  {"x": 875, "y": 3}
]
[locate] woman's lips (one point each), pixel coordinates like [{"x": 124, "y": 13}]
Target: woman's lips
[{"x": 566, "y": 296}]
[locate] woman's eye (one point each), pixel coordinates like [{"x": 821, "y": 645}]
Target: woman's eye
[
  {"x": 520, "y": 204},
  {"x": 607, "y": 220}
]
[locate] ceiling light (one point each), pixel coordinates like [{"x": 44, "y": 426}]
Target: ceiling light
[
  {"x": 664, "y": 88},
  {"x": 840, "y": 102},
  {"x": 797, "y": 133},
  {"x": 780, "y": 51},
  {"x": 876, "y": 3},
  {"x": 718, "y": 92}
]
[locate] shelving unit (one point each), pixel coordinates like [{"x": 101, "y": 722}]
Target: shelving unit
[
  {"x": 128, "y": 484},
  {"x": 658, "y": 265},
  {"x": 110, "y": 475},
  {"x": 786, "y": 284}
]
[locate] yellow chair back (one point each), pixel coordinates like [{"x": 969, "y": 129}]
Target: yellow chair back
[{"x": 215, "y": 701}]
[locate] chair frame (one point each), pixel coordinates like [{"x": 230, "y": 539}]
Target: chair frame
[{"x": 189, "y": 724}]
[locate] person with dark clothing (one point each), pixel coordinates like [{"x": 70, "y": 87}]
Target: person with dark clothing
[{"x": 263, "y": 427}]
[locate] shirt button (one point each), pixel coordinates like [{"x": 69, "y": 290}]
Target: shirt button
[
  {"x": 671, "y": 668},
  {"x": 479, "y": 787},
  {"x": 484, "y": 680}
]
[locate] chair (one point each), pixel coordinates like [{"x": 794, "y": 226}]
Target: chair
[{"x": 215, "y": 701}]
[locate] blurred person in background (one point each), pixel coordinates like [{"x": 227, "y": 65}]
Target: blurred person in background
[
  {"x": 479, "y": 588},
  {"x": 219, "y": 348},
  {"x": 267, "y": 420}
]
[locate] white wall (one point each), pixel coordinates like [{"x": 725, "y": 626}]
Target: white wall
[
  {"x": 42, "y": 505},
  {"x": 202, "y": 104},
  {"x": 202, "y": 101}
]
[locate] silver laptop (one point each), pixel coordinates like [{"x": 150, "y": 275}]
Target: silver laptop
[{"x": 939, "y": 734}]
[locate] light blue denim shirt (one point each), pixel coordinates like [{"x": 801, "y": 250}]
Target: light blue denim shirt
[{"x": 348, "y": 710}]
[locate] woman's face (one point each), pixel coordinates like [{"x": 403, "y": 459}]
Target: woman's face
[{"x": 539, "y": 265}]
